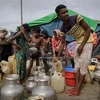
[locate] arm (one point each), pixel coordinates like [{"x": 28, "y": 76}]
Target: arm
[
  {"x": 26, "y": 37},
  {"x": 14, "y": 44},
  {"x": 86, "y": 37},
  {"x": 53, "y": 50},
  {"x": 5, "y": 32},
  {"x": 87, "y": 31},
  {"x": 14, "y": 37},
  {"x": 53, "y": 46},
  {"x": 61, "y": 46}
]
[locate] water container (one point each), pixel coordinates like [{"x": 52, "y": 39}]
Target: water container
[
  {"x": 58, "y": 82},
  {"x": 70, "y": 76}
]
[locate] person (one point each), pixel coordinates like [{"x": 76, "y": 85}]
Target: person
[
  {"x": 36, "y": 40},
  {"x": 45, "y": 42},
  {"x": 77, "y": 27},
  {"x": 22, "y": 54},
  {"x": 45, "y": 48},
  {"x": 97, "y": 57},
  {"x": 4, "y": 45},
  {"x": 56, "y": 42}
]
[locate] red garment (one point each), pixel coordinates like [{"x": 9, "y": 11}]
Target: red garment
[
  {"x": 56, "y": 41},
  {"x": 95, "y": 42}
]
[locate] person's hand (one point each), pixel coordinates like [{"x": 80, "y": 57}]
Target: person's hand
[
  {"x": 55, "y": 59},
  {"x": 98, "y": 57},
  {"x": 18, "y": 47},
  {"x": 2, "y": 37},
  {"x": 8, "y": 39},
  {"x": 80, "y": 49},
  {"x": 23, "y": 31}
]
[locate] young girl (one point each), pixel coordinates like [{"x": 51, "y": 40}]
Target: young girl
[
  {"x": 23, "y": 51},
  {"x": 45, "y": 42},
  {"x": 45, "y": 47}
]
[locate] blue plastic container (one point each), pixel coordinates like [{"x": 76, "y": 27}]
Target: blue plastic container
[{"x": 69, "y": 69}]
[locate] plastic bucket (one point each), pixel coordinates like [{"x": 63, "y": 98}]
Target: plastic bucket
[{"x": 70, "y": 76}]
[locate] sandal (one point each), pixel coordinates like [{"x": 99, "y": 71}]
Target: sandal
[
  {"x": 75, "y": 93},
  {"x": 69, "y": 91}
]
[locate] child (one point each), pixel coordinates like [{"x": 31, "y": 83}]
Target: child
[
  {"x": 35, "y": 39},
  {"x": 45, "y": 42}
]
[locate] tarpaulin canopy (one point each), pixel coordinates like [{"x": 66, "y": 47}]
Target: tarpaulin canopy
[
  {"x": 49, "y": 18},
  {"x": 52, "y": 22}
]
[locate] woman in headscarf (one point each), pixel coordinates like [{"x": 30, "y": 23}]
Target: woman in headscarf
[{"x": 56, "y": 42}]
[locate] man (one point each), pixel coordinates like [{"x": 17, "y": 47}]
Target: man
[
  {"x": 5, "y": 47},
  {"x": 77, "y": 27}
]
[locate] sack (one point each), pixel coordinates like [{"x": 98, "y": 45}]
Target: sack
[
  {"x": 12, "y": 63},
  {"x": 5, "y": 67}
]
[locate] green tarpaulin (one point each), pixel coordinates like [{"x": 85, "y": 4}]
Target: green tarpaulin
[{"x": 49, "y": 18}]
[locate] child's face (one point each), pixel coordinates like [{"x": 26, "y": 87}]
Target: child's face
[
  {"x": 43, "y": 35},
  {"x": 36, "y": 34}
]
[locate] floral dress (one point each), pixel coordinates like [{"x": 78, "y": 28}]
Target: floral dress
[{"x": 21, "y": 56}]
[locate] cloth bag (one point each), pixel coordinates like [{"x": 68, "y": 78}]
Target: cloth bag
[
  {"x": 12, "y": 63},
  {"x": 5, "y": 67}
]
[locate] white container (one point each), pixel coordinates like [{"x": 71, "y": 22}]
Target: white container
[{"x": 58, "y": 82}]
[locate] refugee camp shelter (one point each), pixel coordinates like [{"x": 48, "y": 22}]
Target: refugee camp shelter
[{"x": 52, "y": 22}]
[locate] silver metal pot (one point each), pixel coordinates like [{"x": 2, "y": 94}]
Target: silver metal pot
[
  {"x": 11, "y": 90},
  {"x": 31, "y": 84},
  {"x": 44, "y": 89}
]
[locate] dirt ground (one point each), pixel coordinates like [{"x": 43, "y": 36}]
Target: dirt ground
[{"x": 89, "y": 92}]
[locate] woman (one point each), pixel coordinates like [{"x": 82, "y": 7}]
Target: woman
[
  {"x": 56, "y": 42},
  {"x": 23, "y": 51}
]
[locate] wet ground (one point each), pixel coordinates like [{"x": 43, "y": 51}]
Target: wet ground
[{"x": 89, "y": 92}]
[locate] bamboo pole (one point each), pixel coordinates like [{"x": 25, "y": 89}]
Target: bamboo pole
[{"x": 21, "y": 6}]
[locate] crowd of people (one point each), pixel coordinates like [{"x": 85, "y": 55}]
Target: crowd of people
[
  {"x": 22, "y": 41},
  {"x": 72, "y": 25}
]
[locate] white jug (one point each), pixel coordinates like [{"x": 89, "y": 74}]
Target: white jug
[{"x": 58, "y": 82}]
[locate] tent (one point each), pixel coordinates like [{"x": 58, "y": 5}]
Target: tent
[{"x": 52, "y": 22}]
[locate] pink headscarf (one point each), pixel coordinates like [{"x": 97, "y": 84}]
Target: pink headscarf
[
  {"x": 56, "y": 42},
  {"x": 58, "y": 32}
]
